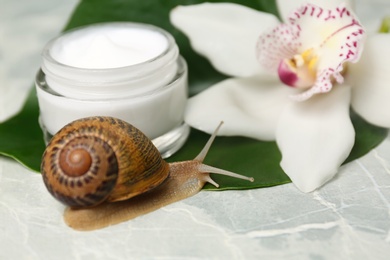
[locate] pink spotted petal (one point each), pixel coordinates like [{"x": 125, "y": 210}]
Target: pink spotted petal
[
  {"x": 285, "y": 7},
  {"x": 277, "y": 44},
  {"x": 336, "y": 36}
]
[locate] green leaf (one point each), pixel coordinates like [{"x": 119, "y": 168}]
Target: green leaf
[{"x": 21, "y": 137}]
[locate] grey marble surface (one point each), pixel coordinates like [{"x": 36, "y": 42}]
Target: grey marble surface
[{"x": 349, "y": 218}]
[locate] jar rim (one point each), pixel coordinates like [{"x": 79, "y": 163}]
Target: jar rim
[{"x": 40, "y": 82}]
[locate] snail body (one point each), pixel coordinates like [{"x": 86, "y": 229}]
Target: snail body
[
  {"x": 107, "y": 171},
  {"x": 107, "y": 214}
]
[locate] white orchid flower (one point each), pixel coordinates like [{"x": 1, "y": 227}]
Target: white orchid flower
[{"x": 313, "y": 53}]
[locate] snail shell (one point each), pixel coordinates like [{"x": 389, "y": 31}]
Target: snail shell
[{"x": 101, "y": 159}]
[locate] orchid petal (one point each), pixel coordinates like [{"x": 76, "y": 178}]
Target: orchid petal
[
  {"x": 315, "y": 137},
  {"x": 286, "y": 7},
  {"x": 334, "y": 35},
  {"x": 248, "y": 106},
  {"x": 225, "y": 33},
  {"x": 370, "y": 79}
]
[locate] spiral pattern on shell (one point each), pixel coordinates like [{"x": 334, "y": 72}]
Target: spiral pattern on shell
[{"x": 98, "y": 159}]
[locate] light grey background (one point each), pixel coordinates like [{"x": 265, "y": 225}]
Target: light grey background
[{"x": 347, "y": 219}]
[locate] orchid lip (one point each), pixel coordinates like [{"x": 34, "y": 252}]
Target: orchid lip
[
  {"x": 295, "y": 74},
  {"x": 286, "y": 75}
]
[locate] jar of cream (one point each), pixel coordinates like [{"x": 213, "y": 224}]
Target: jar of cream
[{"x": 126, "y": 70}]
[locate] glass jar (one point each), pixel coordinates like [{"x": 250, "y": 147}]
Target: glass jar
[{"x": 126, "y": 70}]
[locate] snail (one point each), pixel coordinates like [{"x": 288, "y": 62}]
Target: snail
[{"x": 107, "y": 171}]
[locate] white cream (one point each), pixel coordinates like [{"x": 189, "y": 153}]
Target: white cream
[
  {"x": 126, "y": 70},
  {"x": 102, "y": 47}
]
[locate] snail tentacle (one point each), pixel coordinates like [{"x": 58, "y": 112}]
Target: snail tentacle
[
  {"x": 202, "y": 155},
  {"x": 209, "y": 169}
]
